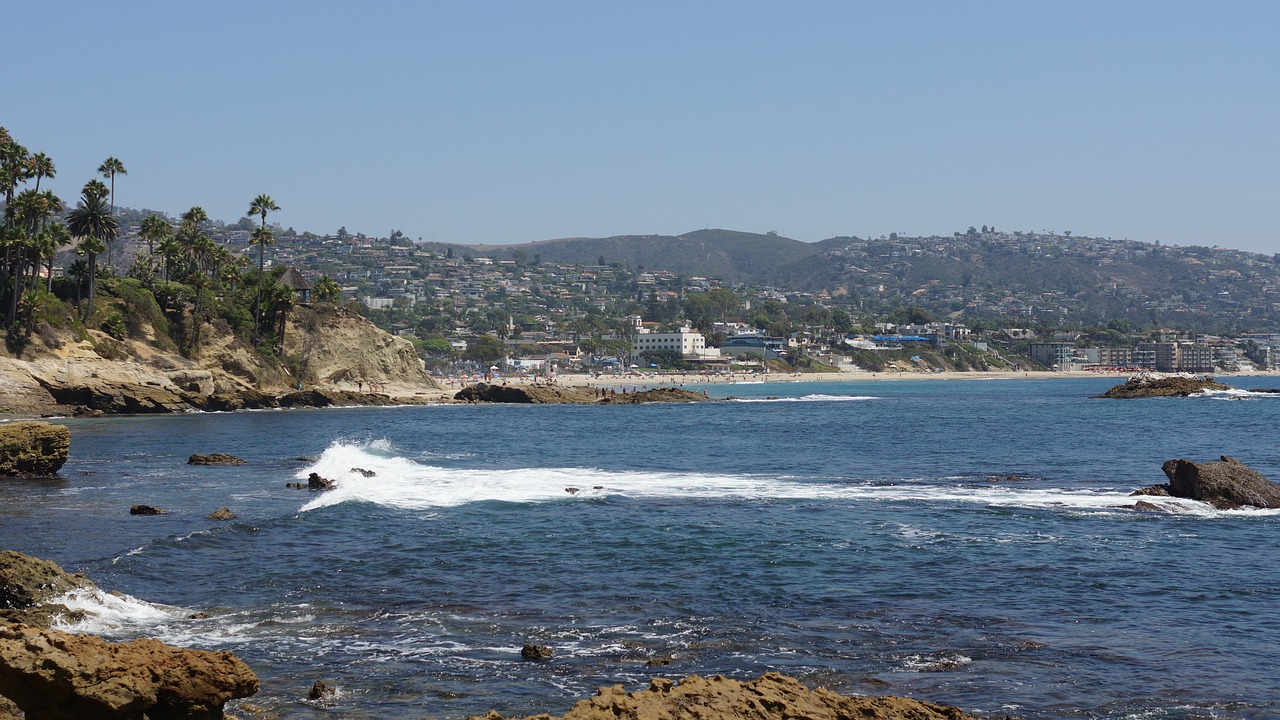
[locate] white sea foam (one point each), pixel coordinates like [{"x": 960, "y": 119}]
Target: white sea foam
[
  {"x": 809, "y": 398},
  {"x": 402, "y": 483},
  {"x": 1234, "y": 394},
  {"x": 113, "y": 613}
]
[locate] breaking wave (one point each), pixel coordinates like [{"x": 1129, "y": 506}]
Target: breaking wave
[{"x": 373, "y": 473}]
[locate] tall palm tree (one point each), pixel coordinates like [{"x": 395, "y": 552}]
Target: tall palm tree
[
  {"x": 260, "y": 206},
  {"x": 44, "y": 168},
  {"x": 92, "y": 222},
  {"x": 110, "y": 168}
]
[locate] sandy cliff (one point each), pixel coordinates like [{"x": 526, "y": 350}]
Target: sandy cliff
[{"x": 329, "y": 351}]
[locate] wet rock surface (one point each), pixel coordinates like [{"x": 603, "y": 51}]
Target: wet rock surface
[
  {"x": 1143, "y": 386},
  {"x": 215, "y": 459},
  {"x": 1226, "y": 484}
]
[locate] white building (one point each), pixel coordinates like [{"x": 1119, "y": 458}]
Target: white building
[{"x": 688, "y": 342}]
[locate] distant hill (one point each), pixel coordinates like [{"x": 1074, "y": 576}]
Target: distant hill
[{"x": 724, "y": 254}]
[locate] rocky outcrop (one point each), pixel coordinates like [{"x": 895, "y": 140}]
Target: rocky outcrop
[
  {"x": 215, "y": 459},
  {"x": 53, "y": 675},
  {"x": 146, "y": 510},
  {"x": 1226, "y": 484},
  {"x": 656, "y": 395},
  {"x": 332, "y": 353},
  {"x": 537, "y": 394},
  {"x": 1149, "y": 386},
  {"x": 33, "y": 448},
  {"x": 222, "y": 514},
  {"x": 29, "y": 586},
  {"x": 531, "y": 651},
  {"x": 770, "y": 697},
  {"x": 550, "y": 394}
]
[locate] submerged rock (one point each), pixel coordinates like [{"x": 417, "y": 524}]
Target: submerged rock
[
  {"x": 1148, "y": 386},
  {"x": 662, "y": 394},
  {"x": 222, "y": 514},
  {"x": 772, "y": 696},
  {"x": 33, "y": 448},
  {"x": 145, "y": 510},
  {"x": 215, "y": 459},
  {"x": 55, "y": 675},
  {"x": 315, "y": 482}
]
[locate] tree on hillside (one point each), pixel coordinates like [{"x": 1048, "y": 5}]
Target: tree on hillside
[
  {"x": 109, "y": 169},
  {"x": 327, "y": 290},
  {"x": 42, "y": 167},
  {"x": 91, "y": 221},
  {"x": 154, "y": 230},
  {"x": 262, "y": 237}
]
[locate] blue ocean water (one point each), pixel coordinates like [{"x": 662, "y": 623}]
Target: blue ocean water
[{"x": 848, "y": 534}]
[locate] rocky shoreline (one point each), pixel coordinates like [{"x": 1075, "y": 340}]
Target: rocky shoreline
[{"x": 49, "y": 674}]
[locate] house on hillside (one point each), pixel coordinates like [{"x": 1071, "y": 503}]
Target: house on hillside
[{"x": 294, "y": 280}]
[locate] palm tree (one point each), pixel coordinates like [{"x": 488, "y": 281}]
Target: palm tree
[
  {"x": 92, "y": 222},
  {"x": 327, "y": 289},
  {"x": 154, "y": 230},
  {"x": 282, "y": 300},
  {"x": 43, "y": 167},
  {"x": 109, "y": 169},
  {"x": 260, "y": 206}
]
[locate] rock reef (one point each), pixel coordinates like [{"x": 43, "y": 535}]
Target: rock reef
[
  {"x": 1149, "y": 386},
  {"x": 36, "y": 449},
  {"x": 550, "y": 394},
  {"x": 772, "y": 696}
]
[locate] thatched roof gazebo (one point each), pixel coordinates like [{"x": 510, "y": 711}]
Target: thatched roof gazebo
[{"x": 294, "y": 280}]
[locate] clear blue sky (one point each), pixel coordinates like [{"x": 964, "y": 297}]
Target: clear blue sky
[{"x": 500, "y": 122}]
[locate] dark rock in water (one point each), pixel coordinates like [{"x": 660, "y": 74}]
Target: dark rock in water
[
  {"x": 215, "y": 459},
  {"x": 33, "y": 448},
  {"x": 656, "y": 395},
  {"x": 1144, "y": 506},
  {"x": 1227, "y": 484},
  {"x": 305, "y": 459},
  {"x": 53, "y": 675},
  {"x": 145, "y": 510},
  {"x": 572, "y": 490},
  {"x": 525, "y": 394},
  {"x": 536, "y": 652},
  {"x": 315, "y": 482},
  {"x": 320, "y": 690},
  {"x": 1156, "y": 490},
  {"x": 660, "y": 661},
  {"x": 296, "y": 485},
  {"x": 198, "y": 616},
  {"x": 1007, "y": 478},
  {"x": 362, "y": 471},
  {"x": 222, "y": 514},
  {"x": 1142, "y": 386}
]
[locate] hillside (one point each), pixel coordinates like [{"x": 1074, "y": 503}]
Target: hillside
[{"x": 725, "y": 254}]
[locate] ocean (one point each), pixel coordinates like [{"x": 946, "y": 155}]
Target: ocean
[{"x": 864, "y": 537}]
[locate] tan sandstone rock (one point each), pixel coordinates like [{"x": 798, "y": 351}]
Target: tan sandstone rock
[
  {"x": 772, "y": 696},
  {"x": 33, "y": 448},
  {"x": 54, "y": 675}
]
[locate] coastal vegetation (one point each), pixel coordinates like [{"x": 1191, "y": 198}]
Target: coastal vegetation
[{"x": 181, "y": 283}]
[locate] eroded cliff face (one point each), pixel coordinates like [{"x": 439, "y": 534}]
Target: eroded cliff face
[{"x": 328, "y": 350}]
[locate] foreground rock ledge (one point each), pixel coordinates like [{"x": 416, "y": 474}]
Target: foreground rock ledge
[
  {"x": 772, "y": 696},
  {"x": 33, "y": 448},
  {"x": 54, "y": 675}
]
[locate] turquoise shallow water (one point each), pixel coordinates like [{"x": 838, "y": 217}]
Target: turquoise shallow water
[{"x": 844, "y": 533}]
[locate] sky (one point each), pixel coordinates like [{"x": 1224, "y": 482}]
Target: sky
[{"x": 510, "y": 122}]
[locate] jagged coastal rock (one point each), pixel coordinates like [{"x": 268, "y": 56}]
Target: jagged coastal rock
[
  {"x": 772, "y": 696},
  {"x": 549, "y": 394},
  {"x": 53, "y": 675},
  {"x": 333, "y": 353},
  {"x": 1152, "y": 385},
  {"x": 29, "y": 586},
  {"x": 33, "y": 448},
  {"x": 1226, "y": 484}
]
